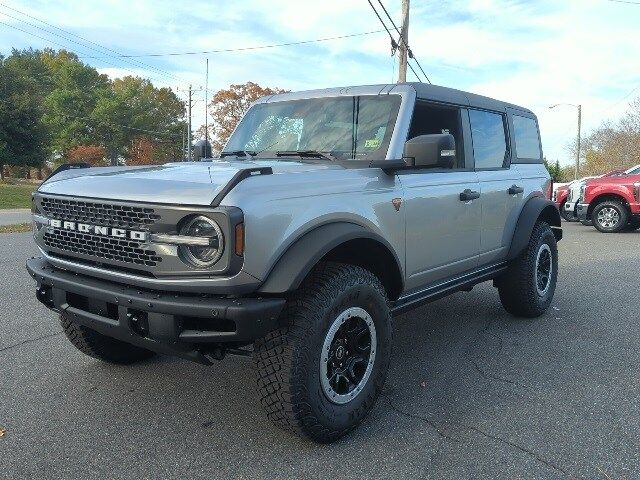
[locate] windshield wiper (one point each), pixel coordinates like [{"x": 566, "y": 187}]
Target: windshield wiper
[
  {"x": 238, "y": 153},
  {"x": 305, "y": 154}
]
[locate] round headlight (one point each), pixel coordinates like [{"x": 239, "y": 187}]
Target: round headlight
[{"x": 203, "y": 255}]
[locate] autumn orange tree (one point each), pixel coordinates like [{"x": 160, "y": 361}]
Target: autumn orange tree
[
  {"x": 227, "y": 108},
  {"x": 93, "y": 154},
  {"x": 613, "y": 145}
]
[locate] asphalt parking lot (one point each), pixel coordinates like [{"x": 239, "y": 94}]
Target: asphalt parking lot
[{"x": 471, "y": 393}]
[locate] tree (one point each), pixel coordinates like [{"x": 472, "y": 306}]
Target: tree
[
  {"x": 93, "y": 154},
  {"x": 227, "y": 108},
  {"x": 613, "y": 145},
  {"x": 554, "y": 169},
  {"x": 23, "y": 137},
  {"x": 142, "y": 152},
  {"x": 55, "y": 107},
  {"x": 69, "y": 105},
  {"x": 135, "y": 107}
]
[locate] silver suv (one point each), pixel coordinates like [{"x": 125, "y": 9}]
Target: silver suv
[{"x": 328, "y": 213}]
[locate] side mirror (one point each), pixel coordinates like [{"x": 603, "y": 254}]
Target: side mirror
[{"x": 436, "y": 150}]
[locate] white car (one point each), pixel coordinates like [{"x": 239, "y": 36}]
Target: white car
[{"x": 573, "y": 197}]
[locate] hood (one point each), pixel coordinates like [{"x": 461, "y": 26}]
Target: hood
[
  {"x": 185, "y": 183},
  {"x": 615, "y": 180}
]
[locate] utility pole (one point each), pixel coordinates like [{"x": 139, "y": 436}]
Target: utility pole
[
  {"x": 206, "y": 113},
  {"x": 577, "y": 169},
  {"x": 189, "y": 154},
  {"x": 404, "y": 41}
]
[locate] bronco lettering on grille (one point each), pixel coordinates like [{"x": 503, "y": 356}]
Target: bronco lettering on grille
[{"x": 98, "y": 230}]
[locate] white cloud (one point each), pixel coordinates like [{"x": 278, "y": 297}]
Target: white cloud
[{"x": 532, "y": 53}]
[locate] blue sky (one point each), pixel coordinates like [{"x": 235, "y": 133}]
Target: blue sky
[{"x": 532, "y": 53}]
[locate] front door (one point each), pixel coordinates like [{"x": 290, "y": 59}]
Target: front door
[{"x": 442, "y": 230}]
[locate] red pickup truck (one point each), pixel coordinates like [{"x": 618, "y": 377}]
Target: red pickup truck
[
  {"x": 560, "y": 197},
  {"x": 612, "y": 203}
]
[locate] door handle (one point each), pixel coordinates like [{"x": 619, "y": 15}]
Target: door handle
[
  {"x": 515, "y": 189},
  {"x": 469, "y": 195}
]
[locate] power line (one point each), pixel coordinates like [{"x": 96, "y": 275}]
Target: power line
[
  {"x": 255, "y": 47},
  {"x": 625, "y": 1},
  {"x": 394, "y": 44},
  {"x": 409, "y": 51},
  {"x": 85, "y": 41},
  {"x": 65, "y": 47}
]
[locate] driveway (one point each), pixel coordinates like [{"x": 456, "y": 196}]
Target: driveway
[{"x": 14, "y": 216}]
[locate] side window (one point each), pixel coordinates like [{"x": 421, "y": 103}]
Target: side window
[
  {"x": 525, "y": 132},
  {"x": 429, "y": 119},
  {"x": 489, "y": 139}
]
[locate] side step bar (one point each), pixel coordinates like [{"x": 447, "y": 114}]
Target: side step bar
[{"x": 467, "y": 281}]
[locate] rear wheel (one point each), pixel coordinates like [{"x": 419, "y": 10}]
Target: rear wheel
[
  {"x": 320, "y": 376},
  {"x": 526, "y": 289},
  {"x": 102, "y": 347},
  {"x": 610, "y": 216}
]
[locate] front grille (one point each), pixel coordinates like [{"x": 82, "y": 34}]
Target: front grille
[
  {"x": 570, "y": 196},
  {"x": 98, "y": 213},
  {"x": 118, "y": 249}
]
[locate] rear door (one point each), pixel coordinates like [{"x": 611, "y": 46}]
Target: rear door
[{"x": 500, "y": 183}]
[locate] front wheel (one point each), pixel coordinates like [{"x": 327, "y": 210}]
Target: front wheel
[
  {"x": 100, "y": 346},
  {"x": 610, "y": 216},
  {"x": 321, "y": 374},
  {"x": 526, "y": 289}
]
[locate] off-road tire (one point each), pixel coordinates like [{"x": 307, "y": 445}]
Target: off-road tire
[
  {"x": 517, "y": 286},
  {"x": 288, "y": 360},
  {"x": 100, "y": 346},
  {"x": 622, "y": 211},
  {"x": 566, "y": 216}
]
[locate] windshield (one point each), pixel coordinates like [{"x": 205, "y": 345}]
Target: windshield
[{"x": 342, "y": 127}]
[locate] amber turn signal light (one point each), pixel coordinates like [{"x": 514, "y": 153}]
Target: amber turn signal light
[{"x": 240, "y": 239}]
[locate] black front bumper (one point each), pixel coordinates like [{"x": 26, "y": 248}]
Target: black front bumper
[
  {"x": 581, "y": 211},
  {"x": 170, "y": 323}
]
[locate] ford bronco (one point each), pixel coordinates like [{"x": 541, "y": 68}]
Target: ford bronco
[{"x": 327, "y": 213}]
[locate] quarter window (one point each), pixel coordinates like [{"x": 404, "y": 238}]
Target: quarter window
[
  {"x": 525, "y": 132},
  {"x": 489, "y": 139}
]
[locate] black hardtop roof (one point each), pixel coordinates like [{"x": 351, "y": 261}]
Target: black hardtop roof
[
  {"x": 427, "y": 91},
  {"x": 423, "y": 91}
]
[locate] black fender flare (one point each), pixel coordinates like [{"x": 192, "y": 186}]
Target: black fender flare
[
  {"x": 304, "y": 253},
  {"x": 534, "y": 209}
]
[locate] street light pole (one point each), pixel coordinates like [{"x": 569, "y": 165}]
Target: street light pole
[{"x": 576, "y": 169}]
